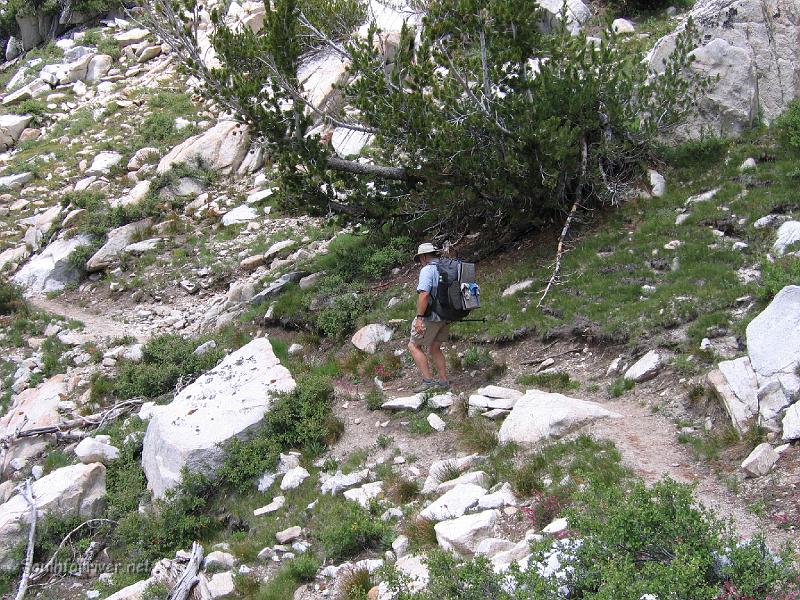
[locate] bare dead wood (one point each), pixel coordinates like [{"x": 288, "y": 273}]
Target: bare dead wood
[
  {"x": 567, "y": 223},
  {"x": 559, "y": 253},
  {"x": 26, "y": 572},
  {"x": 381, "y": 171},
  {"x": 49, "y": 564},
  {"x": 190, "y": 576},
  {"x": 533, "y": 361},
  {"x": 96, "y": 420}
]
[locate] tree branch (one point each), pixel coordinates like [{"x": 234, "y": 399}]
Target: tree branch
[
  {"x": 381, "y": 171},
  {"x": 26, "y": 572}
]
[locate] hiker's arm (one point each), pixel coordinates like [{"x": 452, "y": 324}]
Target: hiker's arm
[{"x": 422, "y": 302}]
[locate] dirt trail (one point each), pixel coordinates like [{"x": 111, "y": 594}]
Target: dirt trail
[
  {"x": 648, "y": 444},
  {"x": 95, "y": 325}
]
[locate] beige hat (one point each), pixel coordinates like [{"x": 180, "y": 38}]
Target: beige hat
[{"x": 426, "y": 248}]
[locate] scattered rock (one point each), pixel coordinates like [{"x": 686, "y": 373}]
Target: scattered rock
[
  {"x": 436, "y": 422},
  {"x": 541, "y": 415},
  {"x": 294, "y": 478},
  {"x": 463, "y": 535},
  {"x": 406, "y": 403},
  {"x": 454, "y": 503},
  {"x": 103, "y": 163},
  {"x": 369, "y": 337},
  {"x": 95, "y": 450},
  {"x": 788, "y": 234},
  {"x": 645, "y": 368},
  {"x": 623, "y": 27},
  {"x": 288, "y": 535},
  {"x": 240, "y": 214},
  {"x": 760, "y": 460}
]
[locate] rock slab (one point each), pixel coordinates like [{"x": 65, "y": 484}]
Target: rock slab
[
  {"x": 228, "y": 401},
  {"x": 74, "y": 491},
  {"x": 541, "y": 415}
]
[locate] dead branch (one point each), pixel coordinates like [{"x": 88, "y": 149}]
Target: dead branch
[
  {"x": 559, "y": 253},
  {"x": 567, "y": 223},
  {"x": 189, "y": 578},
  {"x": 533, "y": 361},
  {"x": 96, "y": 420},
  {"x": 26, "y": 572},
  {"x": 48, "y": 565}
]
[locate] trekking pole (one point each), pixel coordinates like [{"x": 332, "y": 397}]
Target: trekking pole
[{"x": 481, "y": 320}]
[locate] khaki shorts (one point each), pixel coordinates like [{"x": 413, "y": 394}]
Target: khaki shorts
[{"x": 435, "y": 331}]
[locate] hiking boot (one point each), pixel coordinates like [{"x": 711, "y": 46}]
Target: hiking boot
[
  {"x": 443, "y": 384},
  {"x": 426, "y": 386}
]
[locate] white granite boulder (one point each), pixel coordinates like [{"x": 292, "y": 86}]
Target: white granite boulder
[
  {"x": 749, "y": 50},
  {"x": 369, "y": 337},
  {"x": 118, "y": 239},
  {"x": 74, "y": 491},
  {"x": 453, "y": 504},
  {"x": 463, "y": 535},
  {"x": 773, "y": 337},
  {"x": 735, "y": 383},
  {"x": 541, "y": 415},
  {"x": 222, "y": 148},
  {"x": 760, "y": 460},
  {"x": 31, "y": 409},
  {"x": 228, "y": 401},
  {"x": 11, "y": 127},
  {"x": 52, "y": 270},
  {"x": 645, "y": 368},
  {"x": 94, "y": 450}
]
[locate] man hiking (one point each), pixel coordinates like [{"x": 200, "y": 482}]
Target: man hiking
[{"x": 428, "y": 330}]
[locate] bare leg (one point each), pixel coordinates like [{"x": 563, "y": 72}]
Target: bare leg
[
  {"x": 438, "y": 359},
  {"x": 420, "y": 360}
]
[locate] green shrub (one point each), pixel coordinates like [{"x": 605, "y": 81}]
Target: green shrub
[
  {"x": 166, "y": 360},
  {"x": 156, "y": 128},
  {"x": 300, "y": 419},
  {"x": 345, "y": 529},
  {"x": 635, "y": 7},
  {"x": 477, "y": 434},
  {"x": 52, "y": 349},
  {"x": 282, "y": 585},
  {"x": 108, "y": 45},
  {"x": 475, "y": 357},
  {"x": 156, "y": 591},
  {"x": 174, "y": 522},
  {"x": 56, "y": 459},
  {"x": 620, "y": 386},
  {"x": 374, "y": 399},
  {"x": 705, "y": 151},
  {"x": 777, "y": 275},
  {"x": 36, "y": 108},
  {"x": 550, "y": 382},
  {"x": 11, "y": 299},
  {"x": 787, "y": 126}
]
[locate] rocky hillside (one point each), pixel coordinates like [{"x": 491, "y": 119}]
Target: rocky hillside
[{"x": 206, "y": 393}]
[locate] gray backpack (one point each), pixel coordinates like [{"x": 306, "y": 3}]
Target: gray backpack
[{"x": 457, "y": 292}]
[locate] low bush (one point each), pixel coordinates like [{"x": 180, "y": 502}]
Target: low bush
[
  {"x": 620, "y": 386},
  {"x": 777, "y": 275},
  {"x": 56, "y": 459},
  {"x": 345, "y": 529},
  {"x": 166, "y": 360},
  {"x": 36, "y": 108},
  {"x": 302, "y": 419},
  {"x": 52, "y": 349},
  {"x": 550, "y": 382},
  {"x": 787, "y": 126},
  {"x": 173, "y": 522},
  {"x": 11, "y": 299},
  {"x": 478, "y": 434}
]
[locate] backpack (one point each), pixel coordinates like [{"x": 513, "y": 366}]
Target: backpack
[{"x": 457, "y": 293}]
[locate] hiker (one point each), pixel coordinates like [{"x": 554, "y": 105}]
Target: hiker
[{"x": 428, "y": 330}]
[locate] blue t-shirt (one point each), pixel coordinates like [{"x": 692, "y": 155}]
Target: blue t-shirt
[{"x": 429, "y": 282}]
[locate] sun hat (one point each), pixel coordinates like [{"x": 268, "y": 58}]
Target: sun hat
[{"x": 426, "y": 248}]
